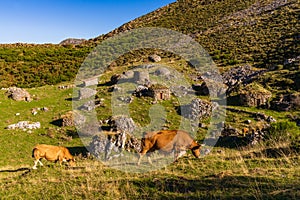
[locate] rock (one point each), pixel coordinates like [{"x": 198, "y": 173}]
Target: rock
[
  {"x": 240, "y": 74},
  {"x": 141, "y": 90},
  {"x": 90, "y": 82},
  {"x": 229, "y": 130},
  {"x": 248, "y": 121},
  {"x": 109, "y": 145},
  {"x": 270, "y": 119},
  {"x": 198, "y": 109},
  {"x": 25, "y": 125},
  {"x": 253, "y": 95},
  {"x": 18, "y": 94},
  {"x": 85, "y": 93},
  {"x": 286, "y": 102},
  {"x": 88, "y": 106},
  {"x": 45, "y": 109},
  {"x": 127, "y": 99},
  {"x": 123, "y": 123},
  {"x": 141, "y": 77},
  {"x": 72, "y": 118},
  {"x": 154, "y": 58},
  {"x": 72, "y": 41},
  {"x": 64, "y": 87},
  {"x": 162, "y": 71},
  {"x": 34, "y": 111}
]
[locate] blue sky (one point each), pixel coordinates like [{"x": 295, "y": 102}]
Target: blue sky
[{"x": 51, "y": 21}]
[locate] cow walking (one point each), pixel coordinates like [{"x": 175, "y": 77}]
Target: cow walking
[
  {"x": 168, "y": 141},
  {"x": 51, "y": 153}
]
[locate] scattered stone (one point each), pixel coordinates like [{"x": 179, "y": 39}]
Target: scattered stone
[
  {"x": 270, "y": 119},
  {"x": 71, "y": 118},
  {"x": 24, "y": 125},
  {"x": 123, "y": 124},
  {"x": 255, "y": 137},
  {"x": 127, "y": 99},
  {"x": 17, "y": 114},
  {"x": 45, "y": 109},
  {"x": 286, "y": 102},
  {"x": 88, "y": 106},
  {"x": 85, "y": 93},
  {"x": 18, "y": 94},
  {"x": 141, "y": 77},
  {"x": 248, "y": 121},
  {"x": 162, "y": 71},
  {"x": 181, "y": 91},
  {"x": 240, "y": 74},
  {"x": 65, "y": 87},
  {"x": 198, "y": 109},
  {"x": 90, "y": 82},
  {"x": 141, "y": 90},
  {"x": 229, "y": 130},
  {"x": 154, "y": 58}
]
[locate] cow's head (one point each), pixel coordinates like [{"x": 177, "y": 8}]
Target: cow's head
[
  {"x": 71, "y": 162},
  {"x": 196, "y": 151}
]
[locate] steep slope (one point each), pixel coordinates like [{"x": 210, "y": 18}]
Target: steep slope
[{"x": 262, "y": 33}]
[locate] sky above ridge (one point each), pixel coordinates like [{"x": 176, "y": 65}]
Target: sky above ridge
[{"x": 51, "y": 21}]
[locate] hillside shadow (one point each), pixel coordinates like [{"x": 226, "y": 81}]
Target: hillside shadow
[
  {"x": 233, "y": 142},
  {"x": 175, "y": 187}
]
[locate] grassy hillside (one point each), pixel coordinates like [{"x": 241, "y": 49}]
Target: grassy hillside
[{"x": 261, "y": 33}]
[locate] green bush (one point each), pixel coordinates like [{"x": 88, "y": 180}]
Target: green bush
[{"x": 282, "y": 131}]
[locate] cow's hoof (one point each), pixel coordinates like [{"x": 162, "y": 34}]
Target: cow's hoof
[{"x": 34, "y": 167}]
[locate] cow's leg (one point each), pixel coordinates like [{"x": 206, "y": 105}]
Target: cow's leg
[
  {"x": 35, "y": 164},
  {"x": 140, "y": 158},
  {"x": 178, "y": 152},
  {"x": 41, "y": 164},
  {"x": 149, "y": 159},
  {"x": 142, "y": 153}
]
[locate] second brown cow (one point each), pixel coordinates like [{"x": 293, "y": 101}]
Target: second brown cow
[{"x": 168, "y": 141}]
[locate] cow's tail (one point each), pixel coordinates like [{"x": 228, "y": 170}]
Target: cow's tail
[{"x": 33, "y": 150}]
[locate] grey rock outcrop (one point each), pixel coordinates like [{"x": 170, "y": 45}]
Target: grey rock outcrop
[{"x": 109, "y": 145}]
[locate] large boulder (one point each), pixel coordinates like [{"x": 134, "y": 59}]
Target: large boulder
[
  {"x": 123, "y": 124},
  {"x": 108, "y": 145},
  {"x": 18, "y": 94}
]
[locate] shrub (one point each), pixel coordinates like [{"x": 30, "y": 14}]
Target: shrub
[{"x": 282, "y": 132}]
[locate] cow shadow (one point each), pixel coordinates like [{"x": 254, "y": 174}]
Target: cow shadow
[
  {"x": 25, "y": 170},
  {"x": 79, "y": 150}
]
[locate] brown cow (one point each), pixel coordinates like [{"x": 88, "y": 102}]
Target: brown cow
[
  {"x": 168, "y": 141},
  {"x": 51, "y": 153}
]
